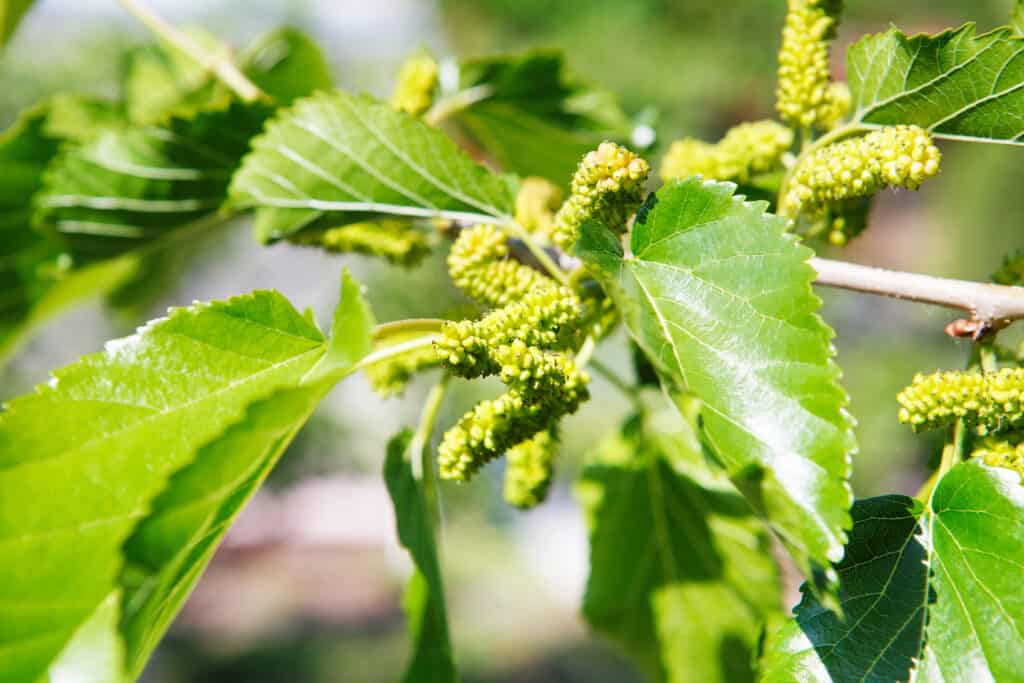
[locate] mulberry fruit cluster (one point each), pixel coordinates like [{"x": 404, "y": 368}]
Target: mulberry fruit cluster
[
  {"x": 536, "y": 204},
  {"x": 745, "y": 149},
  {"x": 803, "y": 96},
  {"x": 607, "y": 186},
  {"x": 895, "y": 156},
  {"x": 521, "y": 341},
  {"x": 1005, "y": 453},
  {"x": 417, "y": 82},
  {"x": 529, "y": 471},
  {"x": 395, "y": 241},
  {"x": 990, "y": 403}
]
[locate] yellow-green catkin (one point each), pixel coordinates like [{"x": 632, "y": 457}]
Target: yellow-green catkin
[
  {"x": 544, "y": 318},
  {"x": 803, "y": 96},
  {"x": 998, "y": 452},
  {"x": 536, "y": 204},
  {"x": 393, "y": 240},
  {"x": 607, "y": 186},
  {"x": 746, "y": 149},
  {"x": 529, "y": 471},
  {"x": 417, "y": 83},
  {"x": 990, "y": 403},
  {"x": 389, "y": 377},
  {"x": 492, "y": 427},
  {"x": 895, "y": 156},
  {"x": 479, "y": 265},
  {"x": 839, "y": 102}
]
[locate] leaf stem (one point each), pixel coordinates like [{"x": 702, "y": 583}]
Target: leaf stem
[
  {"x": 420, "y": 445},
  {"x": 613, "y": 378},
  {"x": 456, "y": 102},
  {"x": 219, "y": 66},
  {"x": 398, "y": 328},
  {"x": 393, "y": 351},
  {"x": 538, "y": 252},
  {"x": 994, "y": 306}
]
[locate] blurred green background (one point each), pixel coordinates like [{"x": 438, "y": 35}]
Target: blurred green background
[{"x": 307, "y": 587}]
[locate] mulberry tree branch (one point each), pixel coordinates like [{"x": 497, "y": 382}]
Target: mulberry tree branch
[{"x": 992, "y": 306}]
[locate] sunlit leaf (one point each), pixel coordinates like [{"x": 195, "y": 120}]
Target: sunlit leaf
[
  {"x": 955, "y": 84},
  {"x": 719, "y": 297},
  {"x": 344, "y": 153}
]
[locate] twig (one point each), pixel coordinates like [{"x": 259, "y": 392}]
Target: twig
[
  {"x": 447, "y": 106},
  {"x": 222, "y": 68},
  {"x": 993, "y": 306}
]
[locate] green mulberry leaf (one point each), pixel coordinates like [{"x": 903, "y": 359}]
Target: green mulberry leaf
[
  {"x": 432, "y": 658},
  {"x": 1017, "y": 18},
  {"x": 11, "y": 12},
  {"x": 130, "y": 187},
  {"x": 352, "y": 154},
  {"x": 680, "y": 574},
  {"x": 955, "y": 84},
  {"x": 719, "y": 298},
  {"x": 930, "y": 593},
  {"x": 162, "y": 438},
  {"x": 534, "y": 119}
]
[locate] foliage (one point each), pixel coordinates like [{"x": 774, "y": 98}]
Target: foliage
[{"x": 107, "y": 523}]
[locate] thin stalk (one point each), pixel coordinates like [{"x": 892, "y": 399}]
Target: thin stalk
[
  {"x": 420, "y": 445},
  {"x": 538, "y": 252},
  {"x": 613, "y": 378},
  {"x": 393, "y": 351},
  {"x": 224, "y": 69},
  {"x": 452, "y": 104},
  {"x": 400, "y": 328}
]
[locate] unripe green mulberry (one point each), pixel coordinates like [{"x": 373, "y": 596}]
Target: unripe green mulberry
[
  {"x": 990, "y": 403},
  {"x": 746, "y": 149},
  {"x": 803, "y": 97},
  {"x": 530, "y": 470},
  {"x": 895, "y": 156},
  {"x": 417, "y": 82},
  {"x": 389, "y": 377},
  {"x": 839, "y": 103},
  {"x": 479, "y": 265},
  {"x": 996, "y": 452},
  {"x": 541, "y": 318},
  {"x": 536, "y": 204},
  {"x": 607, "y": 186},
  {"x": 393, "y": 240},
  {"x": 492, "y": 427}
]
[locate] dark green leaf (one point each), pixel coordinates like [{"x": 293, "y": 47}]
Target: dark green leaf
[
  {"x": 342, "y": 153},
  {"x": 955, "y": 84},
  {"x": 432, "y": 658},
  {"x": 680, "y": 570},
  {"x": 719, "y": 297},
  {"x": 536, "y": 120},
  {"x": 929, "y": 593},
  {"x": 884, "y": 595},
  {"x": 132, "y": 420},
  {"x": 130, "y": 187},
  {"x": 287, "y": 64},
  {"x": 11, "y": 12}
]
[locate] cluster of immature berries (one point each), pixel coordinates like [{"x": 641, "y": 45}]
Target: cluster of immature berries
[{"x": 534, "y": 326}]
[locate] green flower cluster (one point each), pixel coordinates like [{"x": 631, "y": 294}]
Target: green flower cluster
[
  {"x": 530, "y": 470},
  {"x": 895, "y": 156},
  {"x": 417, "y": 82},
  {"x": 536, "y": 204},
  {"x": 607, "y": 186},
  {"x": 393, "y": 240},
  {"x": 1006, "y": 453},
  {"x": 839, "y": 102},
  {"x": 479, "y": 265},
  {"x": 494, "y": 426},
  {"x": 990, "y": 403},
  {"x": 803, "y": 96},
  {"x": 745, "y": 149}
]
